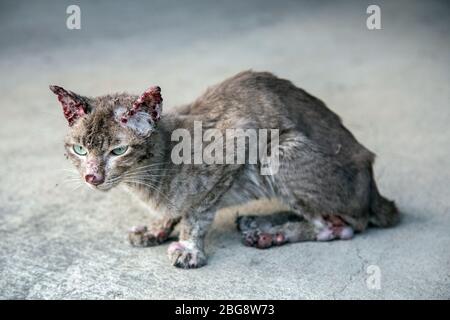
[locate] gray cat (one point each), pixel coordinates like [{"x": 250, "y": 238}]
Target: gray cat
[{"x": 324, "y": 175}]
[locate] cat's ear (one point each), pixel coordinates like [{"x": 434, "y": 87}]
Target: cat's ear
[
  {"x": 74, "y": 107},
  {"x": 145, "y": 112}
]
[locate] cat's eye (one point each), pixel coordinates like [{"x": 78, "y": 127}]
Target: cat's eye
[
  {"x": 119, "y": 150},
  {"x": 79, "y": 150}
]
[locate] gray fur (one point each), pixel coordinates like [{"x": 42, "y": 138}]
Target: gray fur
[{"x": 325, "y": 175}]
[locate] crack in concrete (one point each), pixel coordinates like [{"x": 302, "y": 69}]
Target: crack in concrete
[{"x": 352, "y": 276}]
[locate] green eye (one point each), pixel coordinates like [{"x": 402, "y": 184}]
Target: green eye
[
  {"x": 80, "y": 150},
  {"x": 119, "y": 150}
]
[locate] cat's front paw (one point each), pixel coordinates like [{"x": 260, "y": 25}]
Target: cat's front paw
[
  {"x": 140, "y": 236},
  {"x": 184, "y": 254}
]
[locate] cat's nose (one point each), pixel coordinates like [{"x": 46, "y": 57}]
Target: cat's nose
[{"x": 94, "y": 179}]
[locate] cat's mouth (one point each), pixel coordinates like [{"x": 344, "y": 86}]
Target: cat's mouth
[
  {"x": 105, "y": 186},
  {"x": 101, "y": 188}
]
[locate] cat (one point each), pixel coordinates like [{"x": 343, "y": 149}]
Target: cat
[{"x": 324, "y": 176}]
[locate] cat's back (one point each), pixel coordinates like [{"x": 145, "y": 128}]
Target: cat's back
[
  {"x": 261, "y": 100},
  {"x": 265, "y": 97}
]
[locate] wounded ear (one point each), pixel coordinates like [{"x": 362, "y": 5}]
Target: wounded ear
[
  {"x": 145, "y": 112},
  {"x": 74, "y": 106}
]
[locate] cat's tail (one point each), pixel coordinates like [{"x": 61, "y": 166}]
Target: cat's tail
[{"x": 383, "y": 212}]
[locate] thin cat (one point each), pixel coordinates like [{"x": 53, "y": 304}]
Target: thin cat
[{"x": 324, "y": 176}]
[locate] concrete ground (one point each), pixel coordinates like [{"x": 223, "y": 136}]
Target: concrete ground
[{"x": 390, "y": 86}]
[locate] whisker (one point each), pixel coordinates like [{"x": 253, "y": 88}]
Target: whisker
[
  {"x": 144, "y": 175},
  {"x": 149, "y": 171},
  {"x": 77, "y": 187},
  {"x": 152, "y": 165},
  {"x": 71, "y": 180},
  {"x": 67, "y": 176},
  {"x": 148, "y": 184}
]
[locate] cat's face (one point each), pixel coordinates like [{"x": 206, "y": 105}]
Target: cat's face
[{"x": 109, "y": 135}]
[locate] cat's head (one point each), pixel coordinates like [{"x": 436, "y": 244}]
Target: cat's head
[{"x": 109, "y": 135}]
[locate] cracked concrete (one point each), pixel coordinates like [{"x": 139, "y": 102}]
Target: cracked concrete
[{"x": 391, "y": 87}]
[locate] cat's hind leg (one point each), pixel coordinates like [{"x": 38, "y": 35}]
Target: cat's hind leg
[
  {"x": 331, "y": 227},
  {"x": 274, "y": 230},
  {"x": 277, "y": 229},
  {"x": 324, "y": 190},
  {"x": 157, "y": 233}
]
